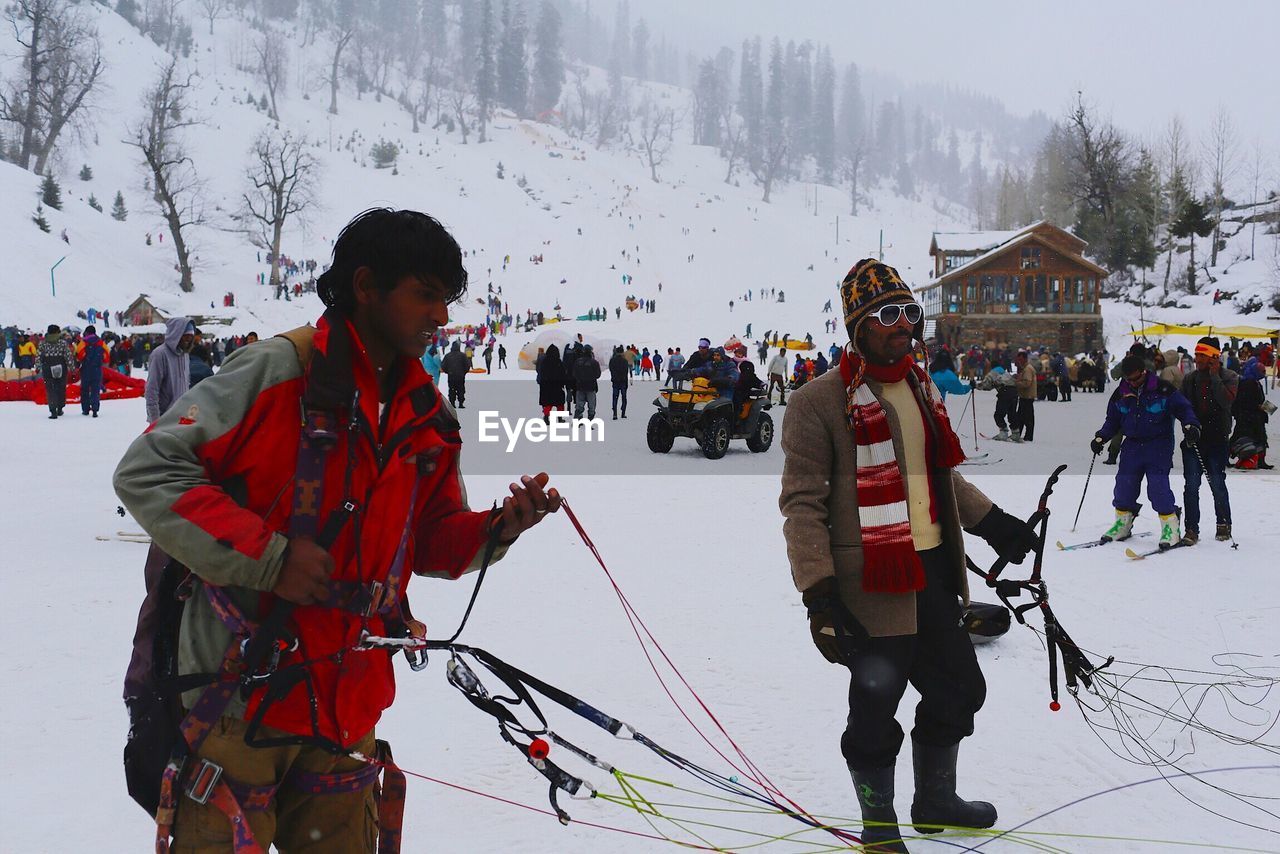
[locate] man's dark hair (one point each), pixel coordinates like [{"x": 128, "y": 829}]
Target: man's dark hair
[
  {"x": 392, "y": 244},
  {"x": 1131, "y": 364}
]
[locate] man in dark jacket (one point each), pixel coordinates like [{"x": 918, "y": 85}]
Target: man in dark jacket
[
  {"x": 1142, "y": 409},
  {"x": 586, "y": 371},
  {"x": 53, "y": 365},
  {"x": 92, "y": 354},
  {"x": 620, "y": 379},
  {"x": 169, "y": 370},
  {"x": 1211, "y": 389},
  {"x": 455, "y": 366}
]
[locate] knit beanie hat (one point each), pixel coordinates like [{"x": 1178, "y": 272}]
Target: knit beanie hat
[
  {"x": 1209, "y": 346},
  {"x": 869, "y": 285}
]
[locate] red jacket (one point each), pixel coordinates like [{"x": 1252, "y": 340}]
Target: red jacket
[{"x": 212, "y": 482}]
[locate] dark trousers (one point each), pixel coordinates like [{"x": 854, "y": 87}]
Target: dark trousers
[
  {"x": 1215, "y": 460},
  {"x": 458, "y": 390},
  {"x": 938, "y": 661},
  {"x": 57, "y": 392},
  {"x": 1006, "y": 406},
  {"x": 1064, "y": 388},
  {"x": 1152, "y": 460},
  {"x": 619, "y": 392},
  {"x": 1024, "y": 418},
  {"x": 90, "y": 391}
]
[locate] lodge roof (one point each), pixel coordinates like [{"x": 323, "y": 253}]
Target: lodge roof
[{"x": 1031, "y": 233}]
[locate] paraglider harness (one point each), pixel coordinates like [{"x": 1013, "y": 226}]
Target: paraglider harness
[
  {"x": 160, "y": 756},
  {"x": 1076, "y": 666}
]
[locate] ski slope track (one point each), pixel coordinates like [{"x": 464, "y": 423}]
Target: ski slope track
[{"x": 701, "y": 558}]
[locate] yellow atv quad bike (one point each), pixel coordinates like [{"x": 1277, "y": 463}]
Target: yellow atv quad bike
[{"x": 694, "y": 409}]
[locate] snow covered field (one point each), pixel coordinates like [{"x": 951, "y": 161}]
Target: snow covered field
[{"x": 702, "y": 560}]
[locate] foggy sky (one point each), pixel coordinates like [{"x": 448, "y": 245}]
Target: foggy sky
[{"x": 1134, "y": 59}]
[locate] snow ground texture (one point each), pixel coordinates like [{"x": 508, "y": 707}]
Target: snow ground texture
[{"x": 702, "y": 560}]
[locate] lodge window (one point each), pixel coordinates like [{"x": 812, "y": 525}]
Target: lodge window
[
  {"x": 987, "y": 295},
  {"x": 970, "y": 290},
  {"x": 1031, "y": 257},
  {"x": 950, "y": 262},
  {"x": 1038, "y": 295},
  {"x": 1013, "y": 295}
]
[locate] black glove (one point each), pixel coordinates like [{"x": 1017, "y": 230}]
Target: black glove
[
  {"x": 1097, "y": 445},
  {"x": 1190, "y": 435},
  {"x": 1011, "y": 537},
  {"x": 836, "y": 633}
]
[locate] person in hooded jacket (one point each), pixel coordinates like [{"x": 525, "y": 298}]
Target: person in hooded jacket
[
  {"x": 92, "y": 354},
  {"x": 169, "y": 369},
  {"x": 620, "y": 379},
  {"x": 1211, "y": 389},
  {"x": 570, "y": 357},
  {"x": 54, "y": 361},
  {"x": 550, "y": 382},
  {"x": 431, "y": 364},
  {"x": 586, "y": 373},
  {"x": 943, "y": 374},
  {"x": 1251, "y": 416},
  {"x": 455, "y": 366}
]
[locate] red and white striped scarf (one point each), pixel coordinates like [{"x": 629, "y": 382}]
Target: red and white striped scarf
[{"x": 890, "y": 562}]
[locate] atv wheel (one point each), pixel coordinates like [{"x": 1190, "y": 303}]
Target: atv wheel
[
  {"x": 659, "y": 434},
  {"x": 715, "y": 439},
  {"x": 761, "y": 437}
]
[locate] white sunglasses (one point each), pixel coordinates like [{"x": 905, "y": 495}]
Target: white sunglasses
[{"x": 888, "y": 314}]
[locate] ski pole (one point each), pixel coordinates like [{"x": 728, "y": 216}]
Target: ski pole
[
  {"x": 974, "y": 394},
  {"x": 1084, "y": 492},
  {"x": 1195, "y": 446}
]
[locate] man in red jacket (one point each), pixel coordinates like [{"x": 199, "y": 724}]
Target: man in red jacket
[{"x": 231, "y": 486}]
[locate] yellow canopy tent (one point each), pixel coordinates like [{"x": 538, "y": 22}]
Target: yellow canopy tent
[{"x": 1159, "y": 329}]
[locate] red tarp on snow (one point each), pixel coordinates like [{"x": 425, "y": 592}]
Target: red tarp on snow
[{"x": 116, "y": 386}]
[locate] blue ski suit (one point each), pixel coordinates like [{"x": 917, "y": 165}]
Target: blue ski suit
[{"x": 1145, "y": 418}]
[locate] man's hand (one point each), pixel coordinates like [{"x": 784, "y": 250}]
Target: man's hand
[
  {"x": 1011, "y": 537},
  {"x": 526, "y": 506},
  {"x": 1190, "y": 435},
  {"x": 304, "y": 578},
  {"x": 836, "y": 633},
  {"x": 1097, "y": 445}
]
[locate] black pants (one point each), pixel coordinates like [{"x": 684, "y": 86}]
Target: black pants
[
  {"x": 458, "y": 390},
  {"x": 938, "y": 661},
  {"x": 619, "y": 392},
  {"x": 1024, "y": 419},
  {"x": 57, "y": 392},
  {"x": 1064, "y": 388},
  {"x": 1006, "y": 405}
]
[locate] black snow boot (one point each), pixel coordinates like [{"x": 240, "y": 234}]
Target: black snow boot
[
  {"x": 880, "y": 832},
  {"x": 936, "y": 805}
]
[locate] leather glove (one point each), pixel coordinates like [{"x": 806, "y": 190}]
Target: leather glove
[
  {"x": 1011, "y": 537},
  {"x": 1097, "y": 445},
  {"x": 836, "y": 633},
  {"x": 1190, "y": 435}
]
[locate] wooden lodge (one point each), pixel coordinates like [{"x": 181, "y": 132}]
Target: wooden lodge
[{"x": 1027, "y": 287}]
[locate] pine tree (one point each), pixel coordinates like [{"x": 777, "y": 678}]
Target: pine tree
[
  {"x": 94, "y": 203},
  {"x": 487, "y": 72},
  {"x": 823, "y": 122},
  {"x": 707, "y": 104},
  {"x": 751, "y": 101},
  {"x": 850, "y": 124},
  {"x": 1194, "y": 220},
  {"x": 86, "y": 174},
  {"x": 548, "y": 60},
  {"x": 39, "y": 219},
  {"x": 118, "y": 211},
  {"x": 640, "y": 50},
  {"x": 50, "y": 192},
  {"x": 513, "y": 73}
]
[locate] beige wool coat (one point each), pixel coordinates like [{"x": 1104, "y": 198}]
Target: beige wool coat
[{"x": 819, "y": 503}]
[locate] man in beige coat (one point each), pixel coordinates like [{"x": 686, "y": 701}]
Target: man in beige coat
[{"x": 874, "y": 510}]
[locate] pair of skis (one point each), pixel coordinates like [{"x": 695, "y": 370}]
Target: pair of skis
[
  {"x": 983, "y": 459},
  {"x": 127, "y": 537},
  {"x": 1129, "y": 552}
]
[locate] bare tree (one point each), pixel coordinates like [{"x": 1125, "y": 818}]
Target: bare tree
[
  {"x": 341, "y": 38},
  {"x": 283, "y": 177},
  {"x": 213, "y": 10},
  {"x": 851, "y": 164},
  {"x": 1181, "y": 184},
  {"x": 272, "y": 66},
  {"x": 62, "y": 63},
  {"x": 657, "y": 134},
  {"x": 462, "y": 103},
  {"x": 1097, "y": 161},
  {"x": 775, "y": 155},
  {"x": 733, "y": 138},
  {"x": 1222, "y": 155},
  {"x": 1257, "y": 171},
  {"x": 177, "y": 188}
]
